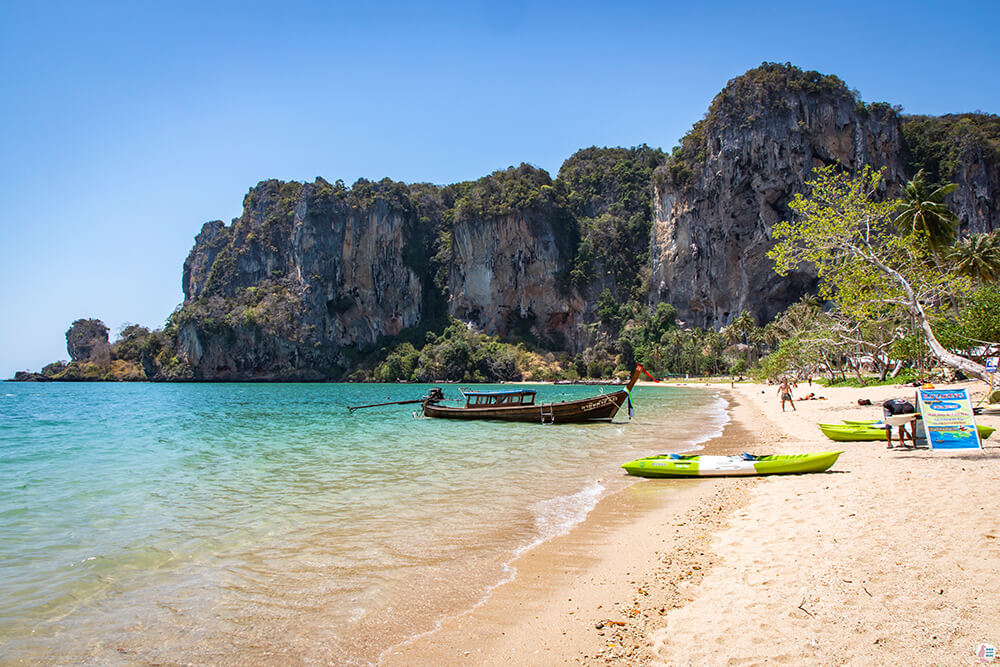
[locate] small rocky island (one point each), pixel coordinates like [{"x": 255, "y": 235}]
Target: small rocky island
[
  {"x": 521, "y": 275},
  {"x": 93, "y": 358}
]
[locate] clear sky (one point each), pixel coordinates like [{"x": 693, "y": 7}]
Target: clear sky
[{"x": 126, "y": 125}]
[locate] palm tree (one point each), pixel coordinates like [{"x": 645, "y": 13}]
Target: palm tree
[
  {"x": 923, "y": 212},
  {"x": 811, "y": 300},
  {"x": 978, "y": 257},
  {"x": 742, "y": 327},
  {"x": 673, "y": 340},
  {"x": 715, "y": 342}
]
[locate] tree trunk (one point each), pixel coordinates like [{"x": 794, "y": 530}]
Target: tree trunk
[
  {"x": 944, "y": 355},
  {"x": 856, "y": 368},
  {"x": 884, "y": 369}
]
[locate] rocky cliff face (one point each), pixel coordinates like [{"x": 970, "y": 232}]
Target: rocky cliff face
[
  {"x": 962, "y": 149},
  {"x": 976, "y": 198},
  {"x": 311, "y": 274},
  {"x": 506, "y": 273},
  {"x": 510, "y": 260},
  {"x": 716, "y": 203},
  {"x": 306, "y": 271},
  {"x": 87, "y": 341}
]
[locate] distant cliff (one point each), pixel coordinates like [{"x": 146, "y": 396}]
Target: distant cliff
[
  {"x": 312, "y": 277},
  {"x": 312, "y": 273}
]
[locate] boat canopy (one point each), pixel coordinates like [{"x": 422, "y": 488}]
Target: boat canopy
[{"x": 500, "y": 397}]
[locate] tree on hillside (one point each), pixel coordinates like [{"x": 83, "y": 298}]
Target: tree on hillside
[{"x": 843, "y": 230}]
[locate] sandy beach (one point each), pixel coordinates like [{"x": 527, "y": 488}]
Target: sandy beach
[{"x": 892, "y": 557}]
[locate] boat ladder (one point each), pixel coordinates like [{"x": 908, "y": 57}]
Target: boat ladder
[{"x": 547, "y": 417}]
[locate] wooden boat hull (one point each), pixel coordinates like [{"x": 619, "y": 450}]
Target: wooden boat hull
[
  {"x": 595, "y": 408},
  {"x": 673, "y": 465}
]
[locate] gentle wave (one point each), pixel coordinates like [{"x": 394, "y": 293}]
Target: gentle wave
[{"x": 714, "y": 424}]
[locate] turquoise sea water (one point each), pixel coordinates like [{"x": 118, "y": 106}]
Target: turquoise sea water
[{"x": 264, "y": 523}]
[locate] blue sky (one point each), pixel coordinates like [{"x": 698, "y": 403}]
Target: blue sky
[{"x": 126, "y": 125}]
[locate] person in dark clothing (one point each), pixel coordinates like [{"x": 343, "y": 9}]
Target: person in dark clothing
[{"x": 892, "y": 408}]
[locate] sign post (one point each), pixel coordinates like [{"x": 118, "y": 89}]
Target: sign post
[{"x": 948, "y": 419}]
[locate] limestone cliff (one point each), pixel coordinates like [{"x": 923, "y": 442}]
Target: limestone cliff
[
  {"x": 87, "y": 341},
  {"x": 962, "y": 149},
  {"x": 730, "y": 182},
  {"x": 312, "y": 274},
  {"x": 307, "y": 271},
  {"x": 511, "y": 246}
]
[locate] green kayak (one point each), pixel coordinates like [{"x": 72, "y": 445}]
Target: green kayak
[
  {"x": 852, "y": 432},
  {"x": 677, "y": 465},
  {"x": 861, "y": 432}
]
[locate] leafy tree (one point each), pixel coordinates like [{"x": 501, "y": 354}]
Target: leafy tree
[
  {"x": 608, "y": 309},
  {"x": 742, "y": 329},
  {"x": 844, "y": 231},
  {"x": 976, "y": 330}
]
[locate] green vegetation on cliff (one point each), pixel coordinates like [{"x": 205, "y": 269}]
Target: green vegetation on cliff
[
  {"x": 609, "y": 191},
  {"x": 769, "y": 86},
  {"x": 504, "y": 192},
  {"x": 272, "y": 307},
  {"x": 936, "y": 144}
]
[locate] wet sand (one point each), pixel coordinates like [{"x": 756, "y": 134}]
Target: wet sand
[{"x": 892, "y": 557}]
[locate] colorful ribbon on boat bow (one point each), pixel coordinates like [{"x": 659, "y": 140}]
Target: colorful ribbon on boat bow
[{"x": 643, "y": 369}]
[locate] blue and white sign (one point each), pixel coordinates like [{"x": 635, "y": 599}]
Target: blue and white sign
[{"x": 948, "y": 419}]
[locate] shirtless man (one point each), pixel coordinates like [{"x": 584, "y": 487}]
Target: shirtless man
[{"x": 785, "y": 392}]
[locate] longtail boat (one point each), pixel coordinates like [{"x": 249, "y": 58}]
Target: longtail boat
[{"x": 519, "y": 405}]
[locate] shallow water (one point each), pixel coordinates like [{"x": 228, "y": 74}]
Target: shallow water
[{"x": 263, "y": 522}]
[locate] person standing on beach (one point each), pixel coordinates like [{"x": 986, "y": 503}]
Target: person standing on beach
[
  {"x": 785, "y": 392},
  {"x": 896, "y": 407}
]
